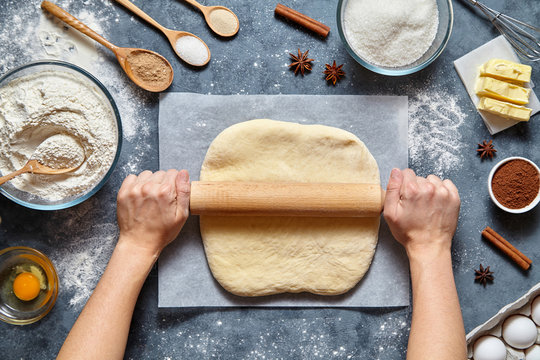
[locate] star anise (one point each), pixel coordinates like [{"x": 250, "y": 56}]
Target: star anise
[
  {"x": 333, "y": 73},
  {"x": 301, "y": 62},
  {"x": 486, "y": 149},
  {"x": 483, "y": 275}
]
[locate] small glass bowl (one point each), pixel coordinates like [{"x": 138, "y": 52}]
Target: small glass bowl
[
  {"x": 13, "y": 310},
  {"x": 446, "y": 20},
  {"x": 34, "y": 202},
  {"x": 494, "y": 199}
]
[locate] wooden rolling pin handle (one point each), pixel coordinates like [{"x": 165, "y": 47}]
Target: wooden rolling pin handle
[{"x": 286, "y": 199}]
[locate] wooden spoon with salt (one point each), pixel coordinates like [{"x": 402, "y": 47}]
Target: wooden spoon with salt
[
  {"x": 222, "y": 21},
  {"x": 35, "y": 167},
  {"x": 188, "y": 42},
  {"x": 145, "y": 68}
]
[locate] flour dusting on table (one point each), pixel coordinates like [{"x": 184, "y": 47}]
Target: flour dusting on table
[
  {"x": 331, "y": 336},
  {"x": 435, "y": 140},
  {"x": 81, "y": 262}
]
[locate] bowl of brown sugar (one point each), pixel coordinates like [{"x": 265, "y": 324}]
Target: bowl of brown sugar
[{"x": 514, "y": 185}]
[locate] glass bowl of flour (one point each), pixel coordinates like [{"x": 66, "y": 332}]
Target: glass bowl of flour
[
  {"x": 395, "y": 37},
  {"x": 45, "y": 103}
]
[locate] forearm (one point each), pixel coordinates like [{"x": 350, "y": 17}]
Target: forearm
[
  {"x": 102, "y": 328},
  {"x": 437, "y": 330}
]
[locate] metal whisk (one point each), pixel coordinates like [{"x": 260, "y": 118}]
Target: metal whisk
[{"x": 522, "y": 36}]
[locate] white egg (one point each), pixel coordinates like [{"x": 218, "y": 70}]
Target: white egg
[
  {"x": 489, "y": 348},
  {"x": 519, "y": 331},
  {"x": 533, "y": 353},
  {"x": 535, "y": 310}
]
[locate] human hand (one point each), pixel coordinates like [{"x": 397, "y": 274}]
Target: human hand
[
  {"x": 152, "y": 208},
  {"x": 421, "y": 212}
]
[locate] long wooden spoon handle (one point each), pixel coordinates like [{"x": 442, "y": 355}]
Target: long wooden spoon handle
[
  {"x": 8, "y": 177},
  {"x": 128, "y": 4},
  {"x": 76, "y": 23},
  {"x": 198, "y": 6},
  {"x": 286, "y": 199}
]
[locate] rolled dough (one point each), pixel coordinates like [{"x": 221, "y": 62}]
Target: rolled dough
[{"x": 255, "y": 256}]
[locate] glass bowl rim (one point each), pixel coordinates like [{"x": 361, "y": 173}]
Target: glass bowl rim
[
  {"x": 386, "y": 70},
  {"x": 109, "y": 97},
  {"x": 50, "y": 303}
]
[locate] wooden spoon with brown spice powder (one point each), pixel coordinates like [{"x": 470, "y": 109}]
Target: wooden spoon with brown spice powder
[{"x": 146, "y": 68}]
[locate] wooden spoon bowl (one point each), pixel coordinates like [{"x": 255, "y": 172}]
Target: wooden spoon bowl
[
  {"x": 124, "y": 54},
  {"x": 207, "y": 16},
  {"x": 207, "y": 11}
]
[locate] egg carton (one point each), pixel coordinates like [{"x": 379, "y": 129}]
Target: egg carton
[{"x": 494, "y": 325}]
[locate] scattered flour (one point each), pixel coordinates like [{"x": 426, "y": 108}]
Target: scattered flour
[
  {"x": 435, "y": 141},
  {"x": 60, "y": 41},
  {"x": 333, "y": 336},
  {"x": 81, "y": 262},
  {"x": 35, "y": 107}
]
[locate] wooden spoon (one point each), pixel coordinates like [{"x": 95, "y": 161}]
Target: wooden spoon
[
  {"x": 35, "y": 167},
  {"x": 172, "y": 35},
  {"x": 207, "y": 10},
  {"x": 122, "y": 54}
]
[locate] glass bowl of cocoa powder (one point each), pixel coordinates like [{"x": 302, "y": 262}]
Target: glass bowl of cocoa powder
[{"x": 514, "y": 184}]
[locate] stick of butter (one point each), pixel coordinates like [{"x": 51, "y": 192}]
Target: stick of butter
[
  {"x": 506, "y": 70},
  {"x": 501, "y": 90},
  {"x": 505, "y": 109}
]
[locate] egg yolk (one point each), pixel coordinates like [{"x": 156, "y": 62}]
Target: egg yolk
[{"x": 26, "y": 286}]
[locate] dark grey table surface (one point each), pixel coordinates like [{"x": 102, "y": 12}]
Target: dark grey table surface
[{"x": 444, "y": 129}]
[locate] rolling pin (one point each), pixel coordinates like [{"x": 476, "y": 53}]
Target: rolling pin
[{"x": 285, "y": 199}]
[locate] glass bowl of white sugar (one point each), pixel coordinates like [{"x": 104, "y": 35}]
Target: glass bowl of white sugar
[
  {"x": 47, "y": 103},
  {"x": 395, "y": 37}
]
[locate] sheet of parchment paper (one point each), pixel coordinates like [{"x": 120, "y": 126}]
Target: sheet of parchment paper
[{"x": 187, "y": 125}]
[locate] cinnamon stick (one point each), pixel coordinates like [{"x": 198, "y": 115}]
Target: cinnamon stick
[
  {"x": 302, "y": 20},
  {"x": 508, "y": 249}
]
